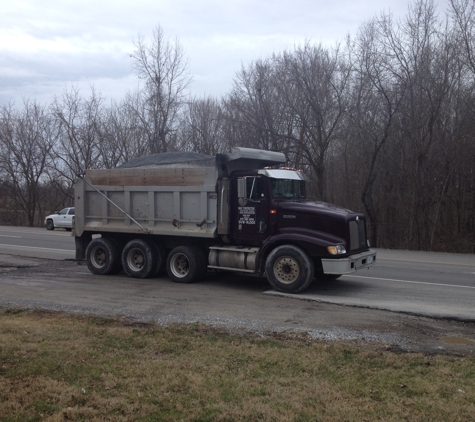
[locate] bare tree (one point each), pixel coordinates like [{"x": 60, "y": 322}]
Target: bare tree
[
  {"x": 162, "y": 66},
  {"x": 314, "y": 84},
  {"x": 201, "y": 128},
  {"x": 78, "y": 122},
  {"x": 376, "y": 98},
  {"x": 121, "y": 132},
  {"x": 427, "y": 63},
  {"x": 27, "y": 138},
  {"x": 255, "y": 111},
  {"x": 463, "y": 15}
]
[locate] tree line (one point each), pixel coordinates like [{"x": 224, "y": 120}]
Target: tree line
[{"x": 382, "y": 123}]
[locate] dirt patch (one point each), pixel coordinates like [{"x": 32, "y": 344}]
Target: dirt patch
[{"x": 458, "y": 340}]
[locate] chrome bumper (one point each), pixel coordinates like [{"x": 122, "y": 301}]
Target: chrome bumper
[{"x": 350, "y": 264}]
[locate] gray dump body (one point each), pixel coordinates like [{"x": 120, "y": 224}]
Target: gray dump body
[
  {"x": 162, "y": 200},
  {"x": 170, "y": 194}
]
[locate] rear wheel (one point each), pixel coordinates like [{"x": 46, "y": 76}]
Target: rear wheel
[
  {"x": 50, "y": 225},
  {"x": 161, "y": 258},
  {"x": 103, "y": 256},
  {"x": 139, "y": 259},
  {"x": 289, "y": 269},
  {"x": 186, "y": 264}
]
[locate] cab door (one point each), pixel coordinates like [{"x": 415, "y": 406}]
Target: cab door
[
  {"x": 69, "y": 218},
  {"x": 252, "y": 223},
  {"x": 61, "y": 218}
]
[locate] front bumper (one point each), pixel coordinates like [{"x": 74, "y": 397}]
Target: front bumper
[{"x": 350, "y": 264}]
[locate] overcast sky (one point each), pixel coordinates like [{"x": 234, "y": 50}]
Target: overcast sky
[{"x": 47, "y": 46}]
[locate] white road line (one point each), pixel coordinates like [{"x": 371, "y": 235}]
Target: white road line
[
  {"x": 418, "y": 261},
  {"x": 411, "y": 282},
  {"x": 36, "y": 247},
  {"x": 4, "y": 235}
]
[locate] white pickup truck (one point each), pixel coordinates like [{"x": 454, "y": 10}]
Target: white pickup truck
[{"x": 63, "y": 219}]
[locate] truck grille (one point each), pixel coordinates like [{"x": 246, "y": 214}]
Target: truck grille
[{"x": 357, "y": 234}]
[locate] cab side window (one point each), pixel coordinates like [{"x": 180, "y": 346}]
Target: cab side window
[{"x": 254, "y": 188}]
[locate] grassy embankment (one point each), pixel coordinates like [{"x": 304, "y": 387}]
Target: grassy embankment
[{"x": 60, "y": 367}]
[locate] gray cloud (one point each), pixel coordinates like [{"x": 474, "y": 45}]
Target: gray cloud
[{"x": 47, "y": 46}]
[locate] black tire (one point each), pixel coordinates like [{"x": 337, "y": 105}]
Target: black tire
[
  {"x": 139, "y": 259},
  {"x": 103, "y": 256},
  {"x": 186, "y": 264},
  {"x": 161, "y": 256},
  {"x": 49, "y": 225},
  {"x": 289, "y": 269}
]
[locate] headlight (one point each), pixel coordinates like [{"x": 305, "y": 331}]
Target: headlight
[{"x": 336, "y": 250}]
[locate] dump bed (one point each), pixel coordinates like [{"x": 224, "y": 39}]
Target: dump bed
[{"x": 155, "y": 200}]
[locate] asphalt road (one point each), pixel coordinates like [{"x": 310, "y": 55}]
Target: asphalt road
[
  {"x": 419, "y": 283},
  {"x": 37, "y": 243}
]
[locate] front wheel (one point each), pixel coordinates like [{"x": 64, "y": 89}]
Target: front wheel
[
  {"x": 289, "y": 269},
  {"x": 49, "y": 225}
]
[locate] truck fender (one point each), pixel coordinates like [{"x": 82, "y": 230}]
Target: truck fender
[{"x": 310, "y": 241}]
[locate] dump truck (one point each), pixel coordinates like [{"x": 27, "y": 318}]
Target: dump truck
[{"x": 241, "y": 211}]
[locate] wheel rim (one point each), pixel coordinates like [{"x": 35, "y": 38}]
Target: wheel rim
[
  {"x": 135, "y": 259},
  {"x": 180, "y": 265},
  {"x": 286, "y": 270},
  {"x": 98, "y": 257}
]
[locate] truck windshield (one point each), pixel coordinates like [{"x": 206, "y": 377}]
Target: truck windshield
[{"x": 288, "y": 188}]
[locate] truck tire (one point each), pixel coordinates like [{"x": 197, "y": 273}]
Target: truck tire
[
  {"x": 139, "y": 259},
  {"x": 161, "y": 256},
  {"x": 49, "y": 225},
  {"x": 186, "y": 264},
  {"x": 289, "y": 269},
  {"x": 103, "y": 256}
]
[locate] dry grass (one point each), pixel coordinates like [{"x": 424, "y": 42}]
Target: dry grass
[{"x": 58, "y": 367}]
